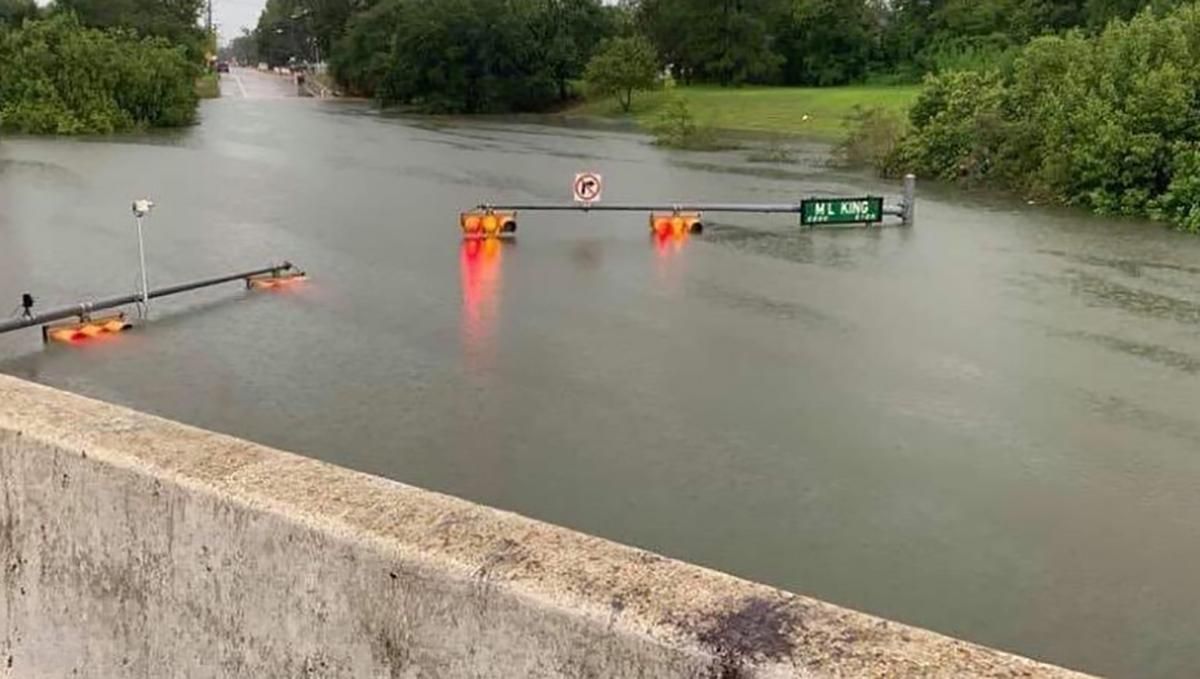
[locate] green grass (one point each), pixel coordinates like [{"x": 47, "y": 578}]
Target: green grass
[
  {"x": 208, "y": 86},
  {"x": 773, "y": 110}
]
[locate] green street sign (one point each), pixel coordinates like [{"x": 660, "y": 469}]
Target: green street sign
[{"x": 814, "y": 211}]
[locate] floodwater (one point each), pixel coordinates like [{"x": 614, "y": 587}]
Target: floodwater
[{"x": 986, "y": 424}]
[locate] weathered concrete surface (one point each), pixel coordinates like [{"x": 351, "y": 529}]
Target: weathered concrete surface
[{"x": 136, "y": 547}]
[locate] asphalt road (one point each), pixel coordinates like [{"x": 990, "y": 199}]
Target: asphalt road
[{"x": 248, "y": 83}]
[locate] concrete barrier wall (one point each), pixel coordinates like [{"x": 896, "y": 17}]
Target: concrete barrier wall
[{"x": 137, "y": 547}]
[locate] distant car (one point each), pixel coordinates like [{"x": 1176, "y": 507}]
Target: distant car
[{"x": 222, "y": 67}]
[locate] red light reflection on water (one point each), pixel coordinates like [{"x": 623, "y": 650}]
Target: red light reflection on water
[
  {"x": 669, "y": 260},
  {"x": 667, "y": 244},
  {"x": 479, "y": 268}
]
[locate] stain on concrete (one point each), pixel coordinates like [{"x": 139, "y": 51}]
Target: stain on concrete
[{"x": 753, "y": 630}]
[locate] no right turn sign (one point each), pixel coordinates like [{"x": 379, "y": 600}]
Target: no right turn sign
[{"x": 587, "y": 187}]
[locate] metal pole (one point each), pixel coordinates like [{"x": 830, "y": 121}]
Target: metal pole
[
  {"x": 906, "y": 210},
  {"x": 663, "y": 207},
  {"x": 84, "y": 309},
  {"x": 910, "y": 199},
  {"x": 145, "y": 306}
]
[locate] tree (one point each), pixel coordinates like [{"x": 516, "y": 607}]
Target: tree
[
  {"x": 361, "y": 57},
  {"x": 243, "y": 49},
  {"x": 14, "y": 12},
  {"x": 622, "y": 66},
  {"x": 175, "y": 20},
  {"x": 567, "y": 32},
  {"x": 1108, "y": 121},
  {"x": 58, "y": 77},
  {"x": 828, "y": 42},
  {"x": 726, "y": 41},
  {"x": 303, "y": 30},
  {"x": 470, "y": 56}
]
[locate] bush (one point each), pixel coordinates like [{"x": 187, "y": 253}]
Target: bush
[
  {"x": 1109, "y": 122},
  {"x": 621, "y": 66},
  {"x": 873, "y": 135},
  {"x": 676, "y": 128},
  {"x": 970, "y": 53},
  {"x": 57, "y": 77},
  {"x": 208, "y": 86},
  {"x": 1180, "y": 203},
  {"x": 949, "y": 119}
]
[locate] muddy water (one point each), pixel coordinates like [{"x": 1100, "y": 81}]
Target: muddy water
[{"x": 986, "y": 424}]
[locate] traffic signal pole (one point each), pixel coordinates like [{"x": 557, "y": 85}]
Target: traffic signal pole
[
  {"x": 83, "y": 310},
  {"x": 758, "y": 208},
  {"x": 905, "y": 209}
]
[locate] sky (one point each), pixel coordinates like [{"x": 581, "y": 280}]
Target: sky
[{"x": 231, "y": 16}]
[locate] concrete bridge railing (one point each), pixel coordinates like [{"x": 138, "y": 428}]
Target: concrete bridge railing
[{"x": 136, "y": 547}]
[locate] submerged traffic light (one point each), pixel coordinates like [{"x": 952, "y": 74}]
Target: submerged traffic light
[
  {"x": 76, "y": 331},
  {"x": 487, "y": 223},
  {"x": 275, "y": 279},
  {"x": 675, "y": 223}
]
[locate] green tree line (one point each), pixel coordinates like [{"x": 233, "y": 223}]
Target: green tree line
[
  {"x": 1108, "y": 121},
  {"x": 499, "y": 55},
  {"x": 98, "y": 66}
]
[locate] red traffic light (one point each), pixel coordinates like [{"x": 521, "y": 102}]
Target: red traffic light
[
  {"x": 77, "y": 331},
  {"x": 675, "y": 223},
  {"x": 487, "y": 223},
  {"x": 275, "y": 280}
]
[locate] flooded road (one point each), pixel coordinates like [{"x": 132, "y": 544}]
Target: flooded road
[
  {"x": 248, "y": 83},
  {"x": 986, "y": 425}
]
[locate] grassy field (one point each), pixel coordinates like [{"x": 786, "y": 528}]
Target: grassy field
[
  {"x": 208, "y": 86},
  {"x": 772, "y": 110}
]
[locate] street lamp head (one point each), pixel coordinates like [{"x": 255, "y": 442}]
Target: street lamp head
[{"x": 142, "y": 207}]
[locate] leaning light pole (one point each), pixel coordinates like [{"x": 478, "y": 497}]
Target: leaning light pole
[{"x": 141, "y": 208}]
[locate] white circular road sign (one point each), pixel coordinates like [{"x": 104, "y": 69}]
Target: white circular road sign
[{"x": 587, "y": 187}]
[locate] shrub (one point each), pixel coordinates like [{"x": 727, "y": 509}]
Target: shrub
[
  {"x": 872, "y": 138},
  {"x": 952, "y": 119},
  {"x": 676, "y": 128},
  {"x": 1180, "y": 203},
  {"x": 1109, "y": 122},
  {"x": 621, "y": 66},
  {"x": 57, "y": 77}
]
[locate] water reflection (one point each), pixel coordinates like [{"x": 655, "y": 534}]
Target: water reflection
[
  {"x": 480, "y": 274},
  {"x": 668, "y": 255},
  {"x": 668, "y": 244}
]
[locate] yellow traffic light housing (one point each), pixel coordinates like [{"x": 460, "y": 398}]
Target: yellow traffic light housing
[
  {"x": 487, "y": 223},
  {"x": 276, "y": 279},
  {"x": 78, "y": 331},
  {"x": 676, "y": 224}
]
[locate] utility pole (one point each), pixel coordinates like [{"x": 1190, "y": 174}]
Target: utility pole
[{"x": 209, "y": 24}]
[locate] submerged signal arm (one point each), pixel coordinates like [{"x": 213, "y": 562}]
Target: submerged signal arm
[
  {"x": 81, "y": 324},
  {"x": 76, "y": 322}
]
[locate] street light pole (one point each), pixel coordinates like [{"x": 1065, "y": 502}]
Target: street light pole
[{"x": 141, "y": 208}]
